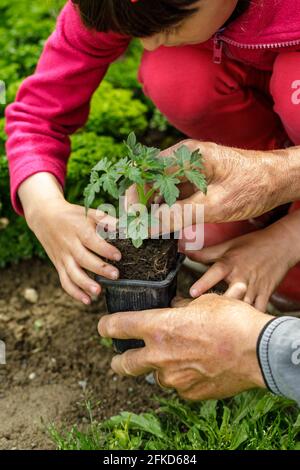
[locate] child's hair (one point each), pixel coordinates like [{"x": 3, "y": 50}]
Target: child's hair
[{"x": 139, "y": 18}]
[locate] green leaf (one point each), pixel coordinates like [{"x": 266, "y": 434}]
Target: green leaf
[
  {"x": 183, "y": 156},
  {"x": 145, "y": 422},
  {"x": 89, "y": 196},
  {"x": 109, "y": 184},
  {"x": 241, "y": 435},
  {"x": 137, "y": 242},
  {"x": 102, "y": 165},
  {"x": 131, "y": 141},
  {"x": 135, "y": 175},
  {"x": 297, "y": 423},
  {"x": 166, "y": 185},
  {"x": 198, "y": 179},
  {"x": 138, "y": 228},
  {"x": 197, "y": 159},
  {"x": 122, "y": 165},
  {"x": 124, "y": 184}
]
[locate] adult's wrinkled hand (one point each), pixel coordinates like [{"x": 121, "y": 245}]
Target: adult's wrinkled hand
[
  {"x": 242, "y": 184},
  {"x": 204, "y": 348}
]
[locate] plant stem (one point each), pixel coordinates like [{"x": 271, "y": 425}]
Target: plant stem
[
  {"x": 150, "y": 194},
  {"x": 142, "y": 197}
]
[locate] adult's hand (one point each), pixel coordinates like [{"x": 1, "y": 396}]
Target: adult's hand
[
  {"x": 243, "y": 184},
  {"x": 204, "y": 349},
  {"x": 252, "y": 265}
]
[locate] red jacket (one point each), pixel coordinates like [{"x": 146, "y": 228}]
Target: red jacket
[
  {"x": 54, "y": 102},
  {"x": 267, "y": 28}
]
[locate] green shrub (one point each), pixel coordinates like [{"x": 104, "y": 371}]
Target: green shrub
[
  {"x": 114, "y": 112},
  {"x": 17, "y": 242},
  {"x": 87, "y": 149},
  {"x": 123, "y": 72},
  {"x": 117, "y": 108},
  {"x": 4, "y": 184},
  {"x": 2, "y": 136},
  {"x": 12, "y": 90}
]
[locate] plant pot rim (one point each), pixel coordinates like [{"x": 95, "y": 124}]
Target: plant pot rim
[{"x": 140, "y": 283}]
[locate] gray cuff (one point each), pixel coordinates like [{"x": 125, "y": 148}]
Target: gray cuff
[{"x": 278, "y": 351}]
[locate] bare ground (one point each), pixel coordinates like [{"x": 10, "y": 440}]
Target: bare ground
[{"x": 55, "y": 361}]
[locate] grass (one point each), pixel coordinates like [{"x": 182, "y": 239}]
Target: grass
[{"x": 251, "y": 421}]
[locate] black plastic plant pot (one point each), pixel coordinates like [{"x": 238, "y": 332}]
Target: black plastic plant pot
[{"x": 126, "y": 295}]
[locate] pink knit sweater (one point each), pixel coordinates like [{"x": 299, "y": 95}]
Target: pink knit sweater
[{"x": 54, "y": 102}]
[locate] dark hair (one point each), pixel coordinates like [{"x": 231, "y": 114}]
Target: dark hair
[{"x": 141, "y": 18}]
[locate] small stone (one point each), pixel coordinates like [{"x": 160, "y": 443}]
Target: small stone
[
  {"x": 82, "y": 384},
  {"x": 32, "y": 376},
  {"x": 150, "y": 379},
  {"x": 31, "y": 295}
]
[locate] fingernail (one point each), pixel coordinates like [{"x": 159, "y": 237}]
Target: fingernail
[
  {"x": 194, "y": 292},
  {"x": 94, "y": 290},
  {"x": 114, "y": 274},
  {"x": 86, "y": 301},
  {"x": 117, "y": 257}
]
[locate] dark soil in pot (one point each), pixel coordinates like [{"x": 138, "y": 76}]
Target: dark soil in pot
[
  {"x": 151, "y": 262},
  {"x": 148, "y": 279}
]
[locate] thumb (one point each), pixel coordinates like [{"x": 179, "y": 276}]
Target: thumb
[{"x": 184, "y": 213}]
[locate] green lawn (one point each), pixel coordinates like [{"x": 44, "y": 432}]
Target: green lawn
[{"x": 250, "y": 421}]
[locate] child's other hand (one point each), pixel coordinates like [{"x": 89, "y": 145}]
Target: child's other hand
[
  {"x": 72, "y": 244},
  {"x": 252, "y": 265}
]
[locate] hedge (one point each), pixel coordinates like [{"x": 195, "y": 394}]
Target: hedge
[{"x": 117, "y": 108}]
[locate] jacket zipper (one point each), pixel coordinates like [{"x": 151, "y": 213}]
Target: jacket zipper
[{"x": 220, "y": 40}]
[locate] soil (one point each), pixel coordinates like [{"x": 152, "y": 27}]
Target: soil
[
  {"x": 151, "y": 262},
  {"x": 56, "y": 361}
]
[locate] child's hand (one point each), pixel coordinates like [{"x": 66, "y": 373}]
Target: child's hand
[
  {"x": 72, "y": 244},
  {"x": 253, "y": 265}
]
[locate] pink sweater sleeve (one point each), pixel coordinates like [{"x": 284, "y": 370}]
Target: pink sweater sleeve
[{"x": 54, "y": 102}]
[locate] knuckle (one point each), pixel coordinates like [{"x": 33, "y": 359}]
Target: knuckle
[
  {"x": 86, "y": 236},
  {"x": 128, "y": 363},
  {"x": 222, "y": 265},
  {"x": 104, "y": 326},
  {"x": 102, "y": 265},
  {"x": 80, "y": 258},
  {"x": 167, "y": 380}
]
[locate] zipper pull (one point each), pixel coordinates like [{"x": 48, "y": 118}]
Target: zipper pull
[{"x": 218, "y": 50}]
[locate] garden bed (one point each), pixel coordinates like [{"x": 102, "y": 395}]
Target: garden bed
[{"x": 55, "y": 361}]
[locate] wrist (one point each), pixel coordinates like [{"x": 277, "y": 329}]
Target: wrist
[
  {"x": 249, "y": 360},
  {"x": 285, "y": 232},
  {"x": 285, "y": 172},
  {"x": 37, "y": 194},
  {"x": 278, "y": 353}
]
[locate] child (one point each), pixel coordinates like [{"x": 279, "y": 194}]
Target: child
[{"x": 219, "y": 70}]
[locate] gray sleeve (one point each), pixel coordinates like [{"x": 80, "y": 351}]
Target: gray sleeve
[{"x": 278, "y": 350}]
